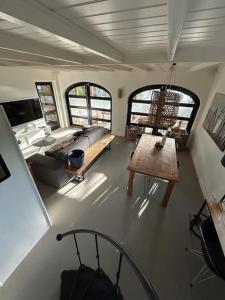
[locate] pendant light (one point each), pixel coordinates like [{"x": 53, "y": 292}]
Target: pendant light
[{"x": 164, "y": 106}]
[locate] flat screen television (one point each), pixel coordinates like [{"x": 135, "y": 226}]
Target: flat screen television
[{"x": 23, "y": 111}]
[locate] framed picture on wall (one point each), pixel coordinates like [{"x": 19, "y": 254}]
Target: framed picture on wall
[
  {"x": 214, "y": 122},
  {"x": 4, "y": 172}
]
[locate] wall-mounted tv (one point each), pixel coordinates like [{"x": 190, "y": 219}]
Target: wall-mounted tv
[{"x": 23, "y": 111}]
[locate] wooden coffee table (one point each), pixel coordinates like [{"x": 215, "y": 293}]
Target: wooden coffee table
[{"x": 90, "y": 155}]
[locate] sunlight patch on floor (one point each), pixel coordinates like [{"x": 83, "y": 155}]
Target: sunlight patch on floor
[
  {"x": 108, "y": 196},
  {"x": 102, "y": 195},
  {"x": 92, "y": 184},
  {"x": 82, "y": 190},
  {"x": 138, "y": 198},
  {"x": 67, "y": 188},
  {"x": 147, "y": 199},
  {"x": 143, "y": 207},
  {"x": 153, "y": 189}
]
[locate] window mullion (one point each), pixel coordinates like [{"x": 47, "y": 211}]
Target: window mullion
[
  {"x": 163, "y": 88},
  {"x": 88, "y": 103}
]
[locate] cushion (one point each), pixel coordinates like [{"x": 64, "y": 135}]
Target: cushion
[
  {"x": 87, "y": 128},
  {"x": 68, "y": 141},
  {"x": 44, "y": 161},
  {"x": 58, "y": 146},
  {"x": 95, "y": 134},
  {"x": 80, "y": 143},
  {"x": 54, "y": 148},
  {"x": 78, "y": 133}
]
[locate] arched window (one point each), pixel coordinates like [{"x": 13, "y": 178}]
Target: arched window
[
  {"x": 140, "y": 101},
  {"x": 88, "y": 104}
]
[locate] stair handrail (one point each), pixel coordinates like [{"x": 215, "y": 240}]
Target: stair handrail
[{"x": 146, "y": 284}]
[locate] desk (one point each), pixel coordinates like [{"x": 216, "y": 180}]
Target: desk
[
  {"x": 218, "y": 217},
  {"x": 151, "y": 161}
]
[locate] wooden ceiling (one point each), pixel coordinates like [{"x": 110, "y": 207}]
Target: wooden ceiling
[{"x": 111, "y": 34}]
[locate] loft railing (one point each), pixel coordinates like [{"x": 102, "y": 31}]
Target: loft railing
[{"x": 150, "y": 291}]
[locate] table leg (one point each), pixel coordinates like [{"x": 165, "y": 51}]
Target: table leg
[
  {"x": 168, "y": 192},
  {"x": 197, "y": 218},
  {"x": 130, "y": 183}
]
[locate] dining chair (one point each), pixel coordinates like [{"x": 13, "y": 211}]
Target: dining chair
[{"x": 211, "y": 252}]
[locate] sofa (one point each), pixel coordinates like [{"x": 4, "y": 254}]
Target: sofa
[{"x": 50, "y": 168}]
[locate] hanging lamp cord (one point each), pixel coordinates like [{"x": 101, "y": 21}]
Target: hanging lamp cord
[{"x": 172, "y": 67}]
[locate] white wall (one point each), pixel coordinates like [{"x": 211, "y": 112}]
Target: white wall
[
  {"x": 23, "y": 219},
  {"x": 16, "y": 83},
  {"x": 198, "y": 82},
  {"x": 19, "y": 83},
  {"x": 205, "y": 153}
]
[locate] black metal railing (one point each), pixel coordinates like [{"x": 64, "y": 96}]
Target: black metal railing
[{"x": 150, "y": 291}]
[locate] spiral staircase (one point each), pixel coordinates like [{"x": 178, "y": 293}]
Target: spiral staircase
[{"x": 86, "y": 283}]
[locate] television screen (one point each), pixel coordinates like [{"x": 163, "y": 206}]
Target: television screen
[{"x": 23, "y": 111}]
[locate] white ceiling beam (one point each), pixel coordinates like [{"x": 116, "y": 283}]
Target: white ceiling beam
[
  {"x": 103, "y": 68},
  {"x": 37, "y": 15},
  {"x": 84, "y": 67},
  {"x": 12, "y": 63},
  {"x": 143, "y": 67},
  {"x": 117, "y": 67},
  {"x": 21, "y": 45},
  {"x": 20, "y": 66},
  {"x": 177, "y": 12},
  {"x": 97, "y": 60},
  {"x": 202, "y": 66},
  {"x": 19, "y": 56},
  {"x": 16, "y": 61},
  {"x": 107, "y": 66}
]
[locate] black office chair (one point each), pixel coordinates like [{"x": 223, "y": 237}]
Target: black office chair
[{"x": 212, "y": 253}]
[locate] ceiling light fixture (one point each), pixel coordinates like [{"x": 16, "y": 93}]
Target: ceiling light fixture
[{"x": 164, "y": 106}]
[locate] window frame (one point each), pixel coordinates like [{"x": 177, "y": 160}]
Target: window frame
[
  {"x": 53, "y": 111},
  {"x": 88, "y": 98},
  {"x": 162, "y": 87}
]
